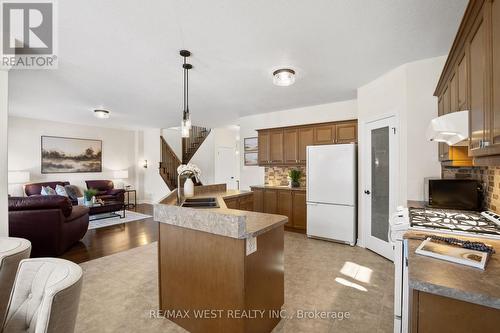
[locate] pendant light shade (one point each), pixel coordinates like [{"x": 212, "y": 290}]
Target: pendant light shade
[{"x": 186, "y": 117}]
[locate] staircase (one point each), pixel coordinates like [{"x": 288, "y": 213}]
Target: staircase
[
  {"x": 168, "y": 165},
  {"x": 169, "y": 160},
  {"x": 190, "y": 145}
]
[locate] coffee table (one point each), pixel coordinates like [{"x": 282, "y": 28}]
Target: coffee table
[{"x": 106, "y": 210}]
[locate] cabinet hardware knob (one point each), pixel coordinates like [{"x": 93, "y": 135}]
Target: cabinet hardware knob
[{"x": 367, "y": 192}]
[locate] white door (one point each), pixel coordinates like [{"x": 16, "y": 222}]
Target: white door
[
  {"x": 225, "y": 167},
  {"x": 380, "y": 156}
]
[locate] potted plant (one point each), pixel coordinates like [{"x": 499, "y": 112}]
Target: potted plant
[
  {"x": 89, "y": 196},
  {"x": 294, "y": 176}
]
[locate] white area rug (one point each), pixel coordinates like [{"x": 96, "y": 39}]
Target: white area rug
[{"x": 129, "y": 217}]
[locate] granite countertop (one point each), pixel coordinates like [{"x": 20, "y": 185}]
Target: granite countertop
[
  {"x": 222, "y": 221},
  {"x": 454, "y": 280},
  {"x": 277, "y": 187}
]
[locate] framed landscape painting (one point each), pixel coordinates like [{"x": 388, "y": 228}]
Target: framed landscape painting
[
  {"x": 251, "y": 144},
  {"x": 251, "y": 159},
  {"x": 71, "y": 155}
]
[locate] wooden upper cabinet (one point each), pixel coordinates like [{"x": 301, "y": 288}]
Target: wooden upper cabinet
[
  {"x": 446, "y": 101},
  {"x": 299, "y": 210},
  {"x": 324, "y": 134},
  {"x": 306, "y": 138},
  {"x": 290, "y": 145},
  {"x": 477, "y": 84},
  {"x": 495, "y": 34},
  {"x": 346, "y": 133},
  {"x": 462, "y": 83},
  {"x": 285, "y": 205},
  {"x": 276, "y": 146},
  {"x": 453, "y": 88},
  {"x": 263, "y": 147}
]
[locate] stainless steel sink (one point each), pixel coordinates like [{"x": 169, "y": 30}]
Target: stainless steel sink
[{"x": 201, "y": 203}]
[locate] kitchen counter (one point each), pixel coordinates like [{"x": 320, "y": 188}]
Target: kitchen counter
[
  {"x": 276, "y": 187},
  {"x": 221, "y": 221},
  {"x": 453, "y": 280},
  {"x": 220, "y": 260}
]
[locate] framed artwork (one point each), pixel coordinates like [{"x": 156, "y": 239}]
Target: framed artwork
[
  {"x": 70, "y": 155},
  {"x": 251, "y": 158},
  {"x": 251, "y": 144}
]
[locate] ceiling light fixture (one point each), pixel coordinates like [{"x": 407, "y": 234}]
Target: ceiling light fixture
[
  {"x": 284, "y": 77},
  {"x": 103, "y": 114},
  {"x": 186, "y": 118}
]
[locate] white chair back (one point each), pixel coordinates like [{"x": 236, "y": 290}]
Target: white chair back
[
  {"x": 45, "y": 297},
  {"x": 12, "y": 251}
]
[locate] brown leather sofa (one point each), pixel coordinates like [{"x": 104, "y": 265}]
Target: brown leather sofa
[
  {"x": 106, "y": 190},
  {"x": 36, "y": 188},
  {"x": 51, "y": 223}
]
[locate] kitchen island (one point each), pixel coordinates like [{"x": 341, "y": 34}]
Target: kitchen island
[
  {"x": 448, "y": 297},
  {"x": 220, "y": 269}
]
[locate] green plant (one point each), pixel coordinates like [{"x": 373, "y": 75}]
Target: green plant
[
  {"x": 294, "y": 175},
  {"x": 88, "y": 194}
]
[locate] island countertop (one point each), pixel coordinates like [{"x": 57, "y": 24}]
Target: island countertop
[
  {"x": 222, "y": 221},
  {"x": 454, "y": 280}
]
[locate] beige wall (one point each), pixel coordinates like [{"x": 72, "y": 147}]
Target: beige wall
[{"x": 4, "y": 226}]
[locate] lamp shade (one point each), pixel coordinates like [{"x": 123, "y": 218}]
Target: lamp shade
[
  {"x": 121, "y": 174},
  {"x": 18, "y": 177}
]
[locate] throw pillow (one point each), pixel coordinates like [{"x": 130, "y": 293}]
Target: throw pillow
[
  {"x": 60, "y": 190},
  {"x": 73, "y": 192},
  {"x": 47, "y": 190}
]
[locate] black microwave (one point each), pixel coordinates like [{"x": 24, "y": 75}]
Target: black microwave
[{"x": 462, "y": 194}]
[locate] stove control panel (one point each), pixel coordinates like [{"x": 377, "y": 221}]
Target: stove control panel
[{"x": 493, "y": 217}]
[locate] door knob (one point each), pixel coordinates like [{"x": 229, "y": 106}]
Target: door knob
[{"x": 367, "y": 192}]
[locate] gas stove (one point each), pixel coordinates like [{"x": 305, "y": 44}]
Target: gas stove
[{"x": 486, "y": 224}]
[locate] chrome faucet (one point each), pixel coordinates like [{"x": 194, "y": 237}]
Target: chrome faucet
[{"x": 179, "y": 196}]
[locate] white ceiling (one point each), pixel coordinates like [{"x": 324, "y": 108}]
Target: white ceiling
[{"x": 123, "y": 55}]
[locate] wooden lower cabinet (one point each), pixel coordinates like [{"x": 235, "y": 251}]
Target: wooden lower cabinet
[
  {"x": 244, "y": 202},
  {"x": 291, "y": 203},
  {"x": 285, "y": 205},
  {"x": 270, "y": 201},
  {"x": 436, "y": 314}
]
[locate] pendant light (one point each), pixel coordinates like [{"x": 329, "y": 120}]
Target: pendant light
[{"x": 186, "y": 118}]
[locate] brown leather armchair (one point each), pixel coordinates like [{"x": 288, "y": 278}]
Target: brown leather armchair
[
  {"x": 36, "y": 189},
  {"x": 106, "y": 190},
  {"x": 51, "y": 223}
]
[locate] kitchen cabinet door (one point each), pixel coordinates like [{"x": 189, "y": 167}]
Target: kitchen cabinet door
[
  {"x": 285, "y": 205},
  {"x": 276, "y": 146},
  {"x": 299, "y": 210},
  {"x": 324, "y": 134},
  {"x": 270, "y": 201},
  {"x": 290, "y": 146},
  {"x": 258, "y": 200},
  {"x": 263, "y": 154},
  {"x": 495, "y": 34},
  {"x": 453, "y": 88},
  {"x": 462, "y": 83},
  {"x": 246, "y": 202},
  {"x": 306, "y": 138},
  {"x": 442, "y": 147},
  {"x": 346, "y": 133},
  {"x": 477, "y": 86},
  {"x": 232, "y": 203}
]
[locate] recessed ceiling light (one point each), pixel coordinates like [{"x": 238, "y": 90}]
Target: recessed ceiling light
[
  {"x": 103, "y": 114},
  {"x": 284, "y": 77}
]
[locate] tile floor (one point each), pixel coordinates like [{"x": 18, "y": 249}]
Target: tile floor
[{"x": 120, "y": 290}]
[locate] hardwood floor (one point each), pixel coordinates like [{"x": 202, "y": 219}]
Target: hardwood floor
[{"x": 105, "y": 241}]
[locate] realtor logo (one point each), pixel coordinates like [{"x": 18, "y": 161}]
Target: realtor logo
[{"x": 28, "y": 34}]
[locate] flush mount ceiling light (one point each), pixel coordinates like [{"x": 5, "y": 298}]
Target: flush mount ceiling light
[
  {"x": 186, "y": 118},
  {"x": 284, "y": 77},
  {"x": 103, "y": 114}
]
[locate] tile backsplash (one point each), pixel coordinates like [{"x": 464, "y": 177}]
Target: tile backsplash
[
  {"x": 277, "y": 175},
  {"x": 489, "y": 176}
]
